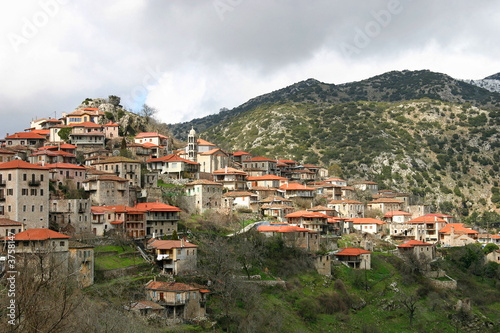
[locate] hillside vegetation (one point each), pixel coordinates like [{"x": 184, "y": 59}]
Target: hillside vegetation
[{"x": 419, "y": 132}]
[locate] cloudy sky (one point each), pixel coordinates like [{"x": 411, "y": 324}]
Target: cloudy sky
[{"x": 190, "y": 58}]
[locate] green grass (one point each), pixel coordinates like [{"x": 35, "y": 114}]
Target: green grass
[
  {"x": 113, "y": 262},
  {"x": 110, "y": 248}
]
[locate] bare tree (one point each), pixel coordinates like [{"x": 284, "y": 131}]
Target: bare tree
[
  {"x": 148, "y": 112},
  {"x": 409, "y": 301}
]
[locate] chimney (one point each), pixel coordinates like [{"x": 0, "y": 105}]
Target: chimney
[
  {"x": 226, "y": 169},
  {"x": 182, "y": 241}
]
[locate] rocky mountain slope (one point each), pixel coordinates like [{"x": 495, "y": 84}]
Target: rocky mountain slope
[
  {"x": 419, "y": 132},
  {"x": 491, "y": 83}
]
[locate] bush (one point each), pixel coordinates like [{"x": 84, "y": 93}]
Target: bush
[{"x": 308, "y": 309}]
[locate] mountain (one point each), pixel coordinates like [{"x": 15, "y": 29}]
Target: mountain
[
  {"x": 491, "y": 83},
  {"x": 420, "y": 132}
]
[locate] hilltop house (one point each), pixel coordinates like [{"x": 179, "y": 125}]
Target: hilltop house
[
  {"x": 296, "y": 190},
  {"x": 313, "y": 221},
  {"x": 293, "y": 235},
  {"x": 425, "y": 228},
  {"x": 181, "y": 301},
  {"x": 174, "y": 256},
  {"x": 240, "y": 200},
  {"x": 153, "y": 138},
  {"x": 369, "y": 225},
  {"x": 174, "y": 166},
  {"x": 84, "y": 115},
  {"x": 260, "y": 166},
  {"x": 348, "y": 208},
  {"x": 365, "y": 185},
  {"x": 161, "y": 219},
  {"x": 266, "y": 181},
  {"x": 24, "y": 193},
  {"x": 27, "y": 139},
  {"x": 455, "y": 234},
  {"x": 421, "y": 250},
  {"x": 205, "y": 193},
  {"x": 396, "y": 221},
  {"x": 354, "y": 257},
  {"x": 231, "y": 179},
  {"x": 276, "y": 207},
  {"x": 122, "y": 167},
  {"x": 385, "y": 205}
]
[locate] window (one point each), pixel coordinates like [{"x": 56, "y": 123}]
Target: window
[
  {"x": 41, "y": 208},
  {"x": 9, "y": 176},
  {"x": 9, "y": 208},
  {"x": 61, "y": 243},
  {"x": 24, "y": 208},
  {"x": 33, "y": 191},
  {"x": 179, "y": 252},
  {"x": 24, "y": 191},
  {"x": 41, "y": 178},
  {"x": 25, "y": 177},
  {"x": 32, "y": 208},
  {"x": 41, "y": 192},
  {"x": 10, "y": 191}
]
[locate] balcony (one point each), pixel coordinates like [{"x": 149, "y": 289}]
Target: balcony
[
  {"x": 2, "y": 183},
  {"x": 34, "y": 183},
  {"x": 2, "y": 199}
]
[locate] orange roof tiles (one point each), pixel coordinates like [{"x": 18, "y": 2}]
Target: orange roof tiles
[
  {"x": 39, "y": 234},
  {"x": 19, "y": 164},
  {"x": 267, "y": 177},
  {"x": 170, "y": 244},
  {"x": 240, "y": 153},
  {"x": 150, "y": 135},
  {"x": 259, "y": 159},
  {"x": 351, "y": 251},
  {"x": 295, "y": 187},
  {"x": 458, "y": 229},
  {"x": 414, "y": 242},
  {"x": 171, "y": 158},
  {"x": 426, "y": 219},
  {"x": 239, "y": 194},
  {"x": 202, "y": 142},
  {"x": 64, "y": 166},
  {"x": 157, "y": 207},
  {"x": 229, "y": 170},
  {"x": 25, "y": 135},
  {"x": 169, "y": 286},
  {"x": 282, "y": 229},
  {"x": 366, "y": 220},
  {"x": 385, "y": 200},
  {"x": 396, "y": 213},
  {"x": 8, "y": 222},
  {"x": 305, "y": 213}
]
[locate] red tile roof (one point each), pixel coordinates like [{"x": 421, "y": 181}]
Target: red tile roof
[
  {"x": 64, "y": 166},
  {"x": 304, "y": 213},
  {"x": 396, "y": 213},
  {"x": 259, "y": 159},
  {"x": 39, "y": 234},
  {"x": 19, "y": 164},
  {"x": 295, "y": 187},
  {"x": 8, "y": 222},
  {"x": 87, "y": 124},
  {"x": 386, "y": 200},
  {"x": 438, "y": 215},
  {"x": 171, "y": 158},
  {"x": 202, "y": 142},
  {"x": 157, "y": 207},
  {"x": 111, "y": 124},
  {"x": 25, "y": 135},
  {"x": 170, "y": 286},
  {"x": 267, "y": 177},
  {"x": 150, "y": 135},
  {"x": 104, "y": 177},
  {"x": 282, "y": 229},
  {"x": 170, "y": 244},
  {"x": 351, "y": 251},
  {"x": 235, "y": 194},
  {"x": 458, "y": 229},
  {"x": 41, "y": 132},
  {"x": 366, "y": 220},
  {"x": 213, "y": 151},
  {"x": 333, "y": 202},
  {"x": 414, "y": 242},
  {"x": 229, "y": 170},
  {"x": 334, "y": 179},
  {"x": 426, "y": 219},
  {"x": 240, "y": 152},
  {"x": 287, "y": 161},
  {"x": 319, "y": 207}
]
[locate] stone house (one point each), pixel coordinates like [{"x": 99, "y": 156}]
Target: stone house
[
  {"x": 366, "y": 186},
  {"x": 277, "y": 207},
  {"x": 72, "y": 216},
  {"x": 27, "y": 139},
  {"x": 111, "y": 130},
  {"x": 107, "y": 190},
  {"x": 425, "y": 228},
  {"x": 135, "y": 223},
  {"x": 83, "y": 115},
  {"x": 455, "y": 234},
  {"x": 313, "y": 221},
  {"x": 67, "y": 174},
  {"x": 6, "y": 155},
  {"x": 174, "y": 166},
  {"x": 293, "y": 235},
  {"x": 336, "y": 181},
  {"x": 396, "y": 220},
  {"x": 174, "y": 256},
  {"x": 368, "y": 225},
  {"x": 47, "y": 156},
  {"x": 296, "y": 190},
  {"x": 212, "y": 160},
  {"x": 81, "y": 263},
  {"x": 161, "y": 219},
  {"x": 354, "y": 257},
  {"x": 260, "y": 166},
  {"x": 421, "y": 250},
  {"x": 181, "y": 301},
  {"x": 231, "y": 179},
  {"x": 206, "y": 194},
  {"x": 385, "y": 205},
  {"x": 24, "y": 193},
  {"x": 122, "y": 167},
  {"x": 240, "y": 200},
  {"x": 240, "y": 156},
  {"x": 152, "y": 138},
  {"x": 493, "y": 256},
  {"x": 10, "y": 227},
  {"x": 266, "y": 181},
  {"x": 348, "y": 208}
]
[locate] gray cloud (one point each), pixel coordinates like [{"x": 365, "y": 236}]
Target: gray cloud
[{"x": 190, "y": 58}]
